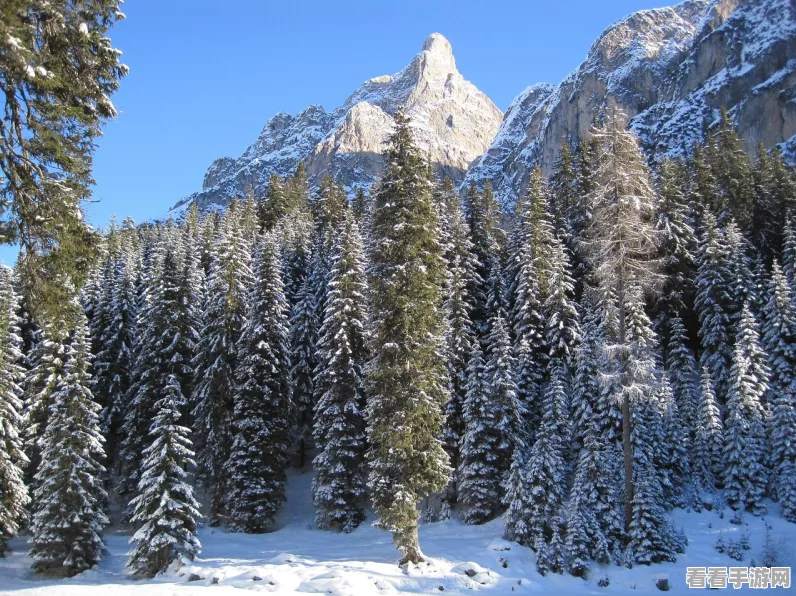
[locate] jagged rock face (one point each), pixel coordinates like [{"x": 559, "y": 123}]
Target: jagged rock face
[
  {"x": 454, "y": 123},
  {"x": 670, "y": 70}
]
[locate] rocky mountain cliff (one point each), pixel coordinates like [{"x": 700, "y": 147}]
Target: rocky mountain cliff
[
  {"x": 454, "y": 123},
  {"x": 671, "y": 70}
]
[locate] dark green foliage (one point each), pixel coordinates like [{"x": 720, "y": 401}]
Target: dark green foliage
[{"x": 406, "y": 375}]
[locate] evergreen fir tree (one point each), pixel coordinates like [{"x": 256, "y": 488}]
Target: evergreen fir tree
[
  {"x": 304, "y": 327},
  {"x": 732, "y": 170},
  {"x": 706, "y": 455},
  {"x": 255, "y": 470},
  {"x": 745, "y": 440},
  {"x": 165, "y": 508},
  {"x": 338, "y": 488},
  {"x": 650, "y": 536},
  {"x": 406, "y": 375},
  {"x": 481, "y": 214},
  {"x": 13, "y": 492},
  {"x": 594, "y": 522},
  {"x": 67, "y": 517},
  {"x": 216, "y": 359},
  {"x": 713, "y": 306},
  {"x": 45, "y": 372},
  {"x": 562, "y": 328},
  {"x": 491, "y": 420},
  {"x": 677, "y": 248},
  {"x": 459, "y": 337},
  {"x": 779, "y": 338},
  {"x": 563, "y": 191},
  {"x": 789, "y": 254},
  {"x": 114, "y": 360},
  {"x": 682, "y": 370},
  {"x": 547, "y": 468}
]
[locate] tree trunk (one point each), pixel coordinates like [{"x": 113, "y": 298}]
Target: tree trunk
[{"x": 408, "y": 544}]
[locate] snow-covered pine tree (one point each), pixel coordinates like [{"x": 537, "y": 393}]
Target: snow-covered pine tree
[
  {"x": 165, "y": 508},
  {"x": 650, "y": 535},
  {"x": 745, "y": 438},
  {"x": 779, "y": 338},
  {"x": 459, "y": 337},
  {"x": 774, "y": 190},
  {"x": 682, "y": 371},
  {"x": 138, "y": 403},
  {"x": 708, "y": 445},
  {"x": 594, "y": 521},
  {"x": 673, "y": 453},
  {"x": 517, "y": 497},
  {"x": 481, "y": 214},
  {"x": 305, "y": 322},
  {"x": 562, "y": 333},
  {"x": 115, "y": 358},
  {"x": 563, "y": 191},
  {"x": 13, "y": 492},
  {"x": 45, "y": 372},
  {"x": 713, "y": 305},
  {"x": 67, "y": 518},
  {"x": 547, "y": 469},
  {"x": 622, "y": 244},
  {"x": 742, "y": 289},
  {"x": 338, "y": 489},
  {"x": 732, "y": 169},
  {"x": 496, "y": 291},
  {"x": 529, "y": 267},
  {"x": 405, "y": 378},
  {"x": 216, "y": 357},
  {"x": 677, "y": 248},
  {"x": 789, "y": 254},
  {"x": 491, "y": 429},
  {"x": 586, "y": 388},
  {"x": 255, "y": 470}
]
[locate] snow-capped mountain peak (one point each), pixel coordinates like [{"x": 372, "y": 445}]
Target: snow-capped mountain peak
[{"x": 454, "y": 123}]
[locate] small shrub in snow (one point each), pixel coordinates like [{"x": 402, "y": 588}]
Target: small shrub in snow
[
  {"x": 720, "y": 546},
  {"x": 735, "y": 550}
]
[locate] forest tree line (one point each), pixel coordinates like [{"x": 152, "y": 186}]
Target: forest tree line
[{"x": 624, "y": 346}]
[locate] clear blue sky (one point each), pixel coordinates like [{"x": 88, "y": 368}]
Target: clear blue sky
[{"x": 206, "y": 75}]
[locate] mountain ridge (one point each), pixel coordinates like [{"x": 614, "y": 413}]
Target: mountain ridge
[{"x": 670, "y": 69}]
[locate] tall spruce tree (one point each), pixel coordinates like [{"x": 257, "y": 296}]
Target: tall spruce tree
[
  {"x": 708, "y": 446},
  {"x": 338, "y": 489},
  {"x": 745, "y": 438},
  {"x": 491, "y": 428},
  {"x": 406, "y": 374},
  {"x": 165, "y": 508},
  {"x": 779, "y": 338},
  {"x": 14, "y": 496},
  {"x": 459, "y": 337},
  {"x": 547, "y": 470},
  {"x": 713, "y": 305},
  {"x": 216, "y": 358},
  {"x": 683, "y": 374},
  {"x": 46, "y": 362},
  {"x": 255, "y": 470},
  {"x": 67, "y": 518},
  {"x": 677, "y": 247}
]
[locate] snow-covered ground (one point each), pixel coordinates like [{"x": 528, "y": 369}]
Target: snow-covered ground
[{"x": 297, "y": 559}]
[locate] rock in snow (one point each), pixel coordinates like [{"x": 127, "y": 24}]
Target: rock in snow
[{"x": 671, "y": 69}]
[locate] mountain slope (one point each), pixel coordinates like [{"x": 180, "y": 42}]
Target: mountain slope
[
  {"x": 454, "y": 123},
  {"x": 670, "y": 69}
]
